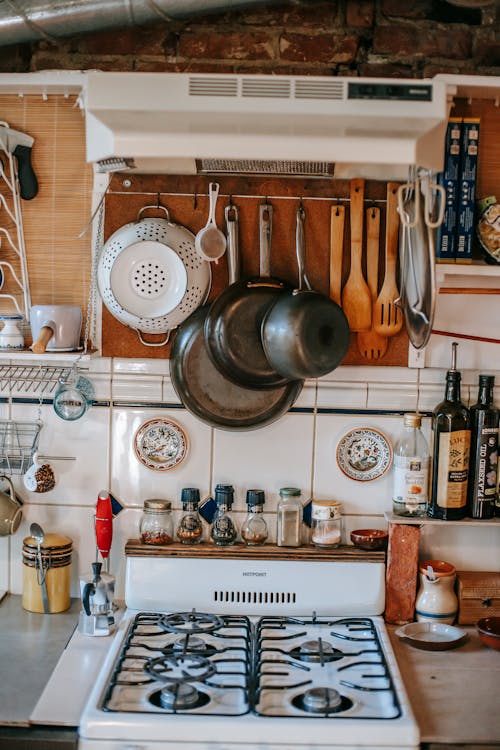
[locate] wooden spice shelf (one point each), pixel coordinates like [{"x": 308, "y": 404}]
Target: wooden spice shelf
[
  {"x": 307, "y": 553},
  {"x": 425, "y": 520}
]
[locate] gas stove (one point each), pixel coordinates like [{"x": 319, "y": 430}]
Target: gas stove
[{"x": 257, "y": 663}]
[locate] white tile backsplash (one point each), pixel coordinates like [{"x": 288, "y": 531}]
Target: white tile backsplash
[{"x": 299, "y": 449}]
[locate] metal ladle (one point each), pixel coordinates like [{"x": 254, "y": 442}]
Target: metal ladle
[{"x": 38, "y": 535}]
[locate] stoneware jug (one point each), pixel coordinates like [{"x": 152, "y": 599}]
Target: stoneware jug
[
  {"x": 436, "y": 600},
  {"x": 10, "y": 510}
]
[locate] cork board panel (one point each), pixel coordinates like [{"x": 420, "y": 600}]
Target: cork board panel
[
  {"x": 58, "y": 260},
  {"x": 187, "y": 201}
]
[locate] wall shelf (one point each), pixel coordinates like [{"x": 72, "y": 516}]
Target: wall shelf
[
  {"x": 470, "y": 278},
  {"x": 425, "y": 520}
]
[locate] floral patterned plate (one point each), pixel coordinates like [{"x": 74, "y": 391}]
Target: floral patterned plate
[
  {"x": 364, "y": 454},
  {"x": 160, "y": 444}
]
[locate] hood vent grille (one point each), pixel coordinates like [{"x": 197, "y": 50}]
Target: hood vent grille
[
  {"x": 319, "y": 89},
  {"x": 209, "y": 86},
  {"x": 266, "y": 87},
  {"x": 256, "y": 597},
  {"x": 262, "y": 167}
]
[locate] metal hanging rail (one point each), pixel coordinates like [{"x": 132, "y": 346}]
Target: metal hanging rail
[{"x": 36, "y": 380}]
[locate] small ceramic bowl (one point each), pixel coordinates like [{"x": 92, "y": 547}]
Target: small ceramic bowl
[
  {"x": 488, "y": 629},
  {"x": 372, "y": 539}
]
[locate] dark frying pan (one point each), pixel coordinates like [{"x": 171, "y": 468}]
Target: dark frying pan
[
  {"x": 208, "y": 394},
  {"x": 232, "y": 328},
  {"x": 304, "y": 334}
]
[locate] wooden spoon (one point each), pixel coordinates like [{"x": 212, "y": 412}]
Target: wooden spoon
[
  {"x": 388, "y": 319},
  {"x": 370, "y": 343},
  {"x": 356, "y": 298},
  {"x": 337, "y": 218}
]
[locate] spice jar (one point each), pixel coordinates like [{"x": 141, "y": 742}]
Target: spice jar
[
  {"x": 326, "y": 523},
  {"x": 223, "y": 530},
  {"x": 156, "y": 525},
  {"x": 48, "y": 568},
  {"x": 290, "y": 511},
  {"x": 254, "y": 529},
  {"x": 190, "y": 529}
]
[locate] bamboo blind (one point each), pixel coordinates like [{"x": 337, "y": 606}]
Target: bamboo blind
[{"x": 58, "y": 262}]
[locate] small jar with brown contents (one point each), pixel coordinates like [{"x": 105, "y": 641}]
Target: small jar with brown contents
[
  {"x": 190, "y": 529},
  {"x": 254, "y": 530},
  {"x": 156, "y": 525}
]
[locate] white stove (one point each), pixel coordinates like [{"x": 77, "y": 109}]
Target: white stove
[{"x": 247, "y": 654}]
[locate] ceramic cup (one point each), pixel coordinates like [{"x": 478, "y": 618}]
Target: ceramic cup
[
  {"x": 10, "y": 510},
  {"x": 10, "y": 335}
]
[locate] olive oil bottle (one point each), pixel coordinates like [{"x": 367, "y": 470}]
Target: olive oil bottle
[
  {"x": 484, "y": 452},
  {"x": 450, "y": 441}
]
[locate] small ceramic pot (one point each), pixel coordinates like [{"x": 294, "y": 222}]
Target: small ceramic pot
[
  {"x": 10, "y": 335},
  {"x": 436, "y": 600}
]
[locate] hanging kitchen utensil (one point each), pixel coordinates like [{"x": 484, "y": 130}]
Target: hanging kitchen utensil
[
  {"x": 203, "y": 389},
  {"x": 416, "y": 248},
  {"x": 370, "y": 343},
  {"x": 304, "y": 334},
  {"x": 337, "y": 220},
  {"x": 387, "y": 317},
  {"x": 210, "y": 242},
  {"x": 39, "y": 477},
  {"x": 233, "y": 326},
  {"x": 55, "y": 328},
  {"x": 140, "y": 279},
  {"x": 356, "y": 298},
  {"x": 103, "y": 523}
]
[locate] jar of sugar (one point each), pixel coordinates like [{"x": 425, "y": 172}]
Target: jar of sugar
[{"x": 326, "y": 523}]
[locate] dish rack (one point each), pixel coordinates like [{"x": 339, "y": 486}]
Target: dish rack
[
  {"x": 33, "y": 380},
  {"x": 18, "y": 443}
]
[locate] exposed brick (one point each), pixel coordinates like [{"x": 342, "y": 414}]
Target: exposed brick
[
  {"x": 186, "y": 66},
  {"x": 414, "y": 9},
  {"x": 401, "y": 575},
  {"x": 432, "y": 69},
  {"x": 318, "y": 48},
  {"x": 44, "y": 61},
  {"x": 360, "y": 13},
  {"x": 227, "y": 46},
  {"x": 385, "y": 70},
  {"x": 422, "y": 42},
  {"x": 318, "y": 15},
  {"x": 15, "y": 59},
  {"x": 149, "y": 40},
  {"x": 486, "y": 48}
]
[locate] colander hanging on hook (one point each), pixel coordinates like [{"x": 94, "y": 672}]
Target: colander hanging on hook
[{"x": 150, "y": 276}]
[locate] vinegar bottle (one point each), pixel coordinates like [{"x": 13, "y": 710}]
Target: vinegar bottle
[
  {"x": 484, "y": 451},
  {"x": 410, "y": 470},
  {"x": 450, "y": 438}
]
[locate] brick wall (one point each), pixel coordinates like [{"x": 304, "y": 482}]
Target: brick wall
[{"x": 339, "y": 37}]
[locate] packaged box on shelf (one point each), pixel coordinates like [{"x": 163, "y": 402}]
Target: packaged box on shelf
[
  {"x": 478, "y": 596},
  {"x": 449, "y": 179},
  {"x": 467, "y": 191}
]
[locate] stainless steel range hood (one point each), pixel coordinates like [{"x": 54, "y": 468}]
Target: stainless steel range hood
[{"x": 187, "y": 124}]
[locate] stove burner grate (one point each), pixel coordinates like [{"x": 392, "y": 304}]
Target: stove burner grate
[
  {"x": 189, "y": 623},
  {"x": 180, "y": 669},
  {"x": 322, "y": 701}
]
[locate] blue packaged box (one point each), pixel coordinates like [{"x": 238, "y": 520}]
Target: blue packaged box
[
  {"x": 449, "y": 179},
  {"x": 467, "y": 191}
]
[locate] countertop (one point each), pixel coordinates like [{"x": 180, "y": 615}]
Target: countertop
[{"x": 454, "y": 694}]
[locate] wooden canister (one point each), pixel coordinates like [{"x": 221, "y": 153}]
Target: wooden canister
[{"x": 55, "y": 556}]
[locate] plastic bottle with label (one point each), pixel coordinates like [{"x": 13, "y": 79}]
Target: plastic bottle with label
[{"x": 410, "y": 470}]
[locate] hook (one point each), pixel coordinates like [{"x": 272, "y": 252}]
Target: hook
[{"x": 301, "y": 205}]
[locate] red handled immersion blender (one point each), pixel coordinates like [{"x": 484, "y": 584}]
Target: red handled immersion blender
[{"x": 103, "y": 526}]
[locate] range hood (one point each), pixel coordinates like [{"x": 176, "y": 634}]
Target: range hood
[{"x": 179, "y": 123}]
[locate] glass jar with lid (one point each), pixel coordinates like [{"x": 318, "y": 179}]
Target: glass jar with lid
[
  {"x": 289, "y": 533},
  {"x": 326, "y": 523},
  {"x": 190, "y": 529},
  {"x": 156, "y": 526},
  {"x": 254, "y": 530},
  {"x": 223, "y": 530}
]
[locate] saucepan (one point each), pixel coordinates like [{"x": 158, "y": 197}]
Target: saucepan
[
  {"x": 304, "y": 334},
  {"x": 55, "y": 328}
]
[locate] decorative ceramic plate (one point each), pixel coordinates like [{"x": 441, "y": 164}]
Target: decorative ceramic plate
[
  {"x": 160, "y": 444},
  {"x": 364, "y": 454}
]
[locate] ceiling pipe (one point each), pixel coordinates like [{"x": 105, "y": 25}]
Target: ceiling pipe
[{"x": 33, "y": 20}]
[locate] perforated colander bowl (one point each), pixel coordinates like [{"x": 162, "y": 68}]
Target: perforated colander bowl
[{"x": 150, "y": 276}]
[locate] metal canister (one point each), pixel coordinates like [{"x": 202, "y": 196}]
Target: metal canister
[{"x": 49, "y": 568}]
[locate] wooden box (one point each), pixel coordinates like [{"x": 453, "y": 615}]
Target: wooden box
[{"x": 478, "y": 596}]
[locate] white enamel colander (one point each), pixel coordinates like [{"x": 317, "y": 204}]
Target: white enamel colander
[{"x": 150, "y": 276}]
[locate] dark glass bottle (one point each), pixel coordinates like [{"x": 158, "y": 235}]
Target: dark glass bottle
[
  {"x": 484, "y": 420},
  {"x": 450, "y": 438}
]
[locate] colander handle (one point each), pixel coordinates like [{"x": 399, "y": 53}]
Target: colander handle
[
  {"x": 156, "y": 208},
  {"x": 150, "y": 343}
]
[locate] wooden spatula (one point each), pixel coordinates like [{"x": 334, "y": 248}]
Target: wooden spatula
[
  {"x": 370, "y": 343},
  {"x": 337, "y": 218},
  {"x": 356, "y": 298},
  {"x": 387, "y": 318}
]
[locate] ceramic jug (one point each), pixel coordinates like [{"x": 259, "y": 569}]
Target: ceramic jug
[
  {"x": 436, "y": 600},
  {"x": 10, "y": 510}
]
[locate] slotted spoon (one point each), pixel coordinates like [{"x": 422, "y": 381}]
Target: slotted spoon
[
  {"x": 387, "y": 317},
  {"x": 370, "y": 343}
]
